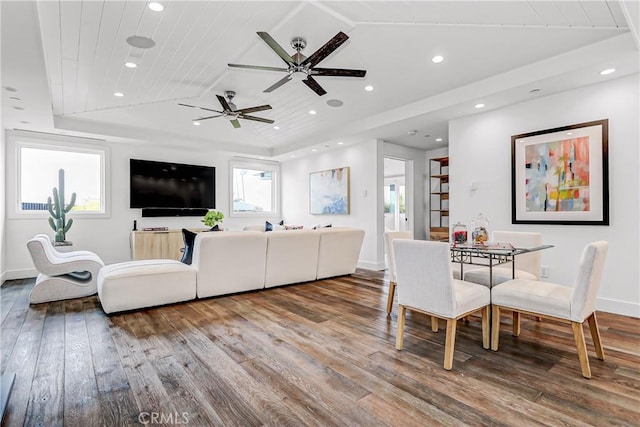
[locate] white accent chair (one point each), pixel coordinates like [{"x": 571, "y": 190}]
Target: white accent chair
[
  {"x": 426, "y": 285},
  {"x": 389, "y": 237},
  {"x": 557, "y": 302},
  {"x": 527, "y": 265},
  {"x": 62, "y": 275}
]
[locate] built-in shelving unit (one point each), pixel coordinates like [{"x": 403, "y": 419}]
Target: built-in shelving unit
[{"x": 439, "y": 199}]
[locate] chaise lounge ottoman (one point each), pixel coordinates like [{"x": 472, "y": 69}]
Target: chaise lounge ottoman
[{"x": 145, "y": 283}]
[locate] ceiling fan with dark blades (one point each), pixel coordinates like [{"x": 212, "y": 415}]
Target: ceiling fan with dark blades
[
  {"x": 231, "y": 112},
  {"x": 300, "y": 67}
]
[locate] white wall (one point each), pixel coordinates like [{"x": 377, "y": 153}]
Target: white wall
[
  {"x": 365, "y": 161},
  {"x": 109, "y": 237},
  {"x": 480, "y": 150}
]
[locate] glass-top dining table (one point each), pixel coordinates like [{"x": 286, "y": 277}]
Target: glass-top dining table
[{"x": 489, "y": 255}]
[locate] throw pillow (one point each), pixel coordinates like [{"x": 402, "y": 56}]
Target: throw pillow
[
  {"x": 281, "y": 222},
  {"x": 189, "y": 238},
  {"x": 268, "y": 226}
]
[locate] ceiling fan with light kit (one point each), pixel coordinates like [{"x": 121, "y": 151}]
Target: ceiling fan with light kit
[
  {"x": 300, "y": 67},
  {"x": 231, "y": 112}
]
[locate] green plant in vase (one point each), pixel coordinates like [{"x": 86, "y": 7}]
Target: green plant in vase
[
  {"x": 58, "y": 210},
  {"x": 212, "y": 219}
]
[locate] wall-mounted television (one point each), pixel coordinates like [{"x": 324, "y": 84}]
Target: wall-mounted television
[{"x": 171, "y": 185}]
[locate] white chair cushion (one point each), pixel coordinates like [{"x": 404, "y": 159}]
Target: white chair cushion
[
  {"x": 469, "y": 296},
  {"x": 500, "y": 275},
  {"x": 534, "y": 296}
]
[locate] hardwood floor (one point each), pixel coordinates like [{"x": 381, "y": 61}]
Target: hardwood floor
[{"x": 319, "y": 354}]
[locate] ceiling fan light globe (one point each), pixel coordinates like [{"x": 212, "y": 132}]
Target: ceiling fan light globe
[{"x": 298, "y": 76}]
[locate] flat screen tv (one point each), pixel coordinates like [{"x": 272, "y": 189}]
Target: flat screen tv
[{"x": 171, "y": 185}]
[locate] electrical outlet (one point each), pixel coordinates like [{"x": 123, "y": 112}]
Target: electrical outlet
[{"x": 544, "y": 271}]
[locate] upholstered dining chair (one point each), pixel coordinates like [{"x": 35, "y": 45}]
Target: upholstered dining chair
[
  {"x": 63, "y": 275},
  {"x": 389, "y": 237},
  {"x": 527, "y": 265},
  {"x": 426, "y": 285},
  {"x": 549, "y": 300}
]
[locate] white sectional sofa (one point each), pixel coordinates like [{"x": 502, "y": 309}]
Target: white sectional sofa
[{"x": 236, "y": 261}]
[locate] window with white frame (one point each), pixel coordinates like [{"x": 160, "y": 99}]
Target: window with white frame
[
  {"x": 254, "y": 188},
  {"x": 38, "y": 167}
]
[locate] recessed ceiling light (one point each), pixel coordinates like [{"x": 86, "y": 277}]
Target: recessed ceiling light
[
  {"x": 141, "y": 42},
  {"x": 607, "y": 71},
  {"x": 438, "y": 139},
  {"x": 569, "y": 133},
  {"x": 340, "y": 143},
  {"x": 130, "y": 64},
  {"x": 334, "y": 103},
  {"x": 412, "y": 132},
  {"x": 293, "y": 155},
  {"x": 368, "y": 88},
  {"x": 437, "y": 59},
  {"x": 314, "y": 149},
  {"x": 118, "y": 94},
  {"x": 156, "y": 7},
  {"x": 479, "y": 105},
  {"x": 196, "y": 123},
  {"x": 276, "y": 127},
  {"x": 312, "y": 112},
  {"x": 261, "y": 158}
]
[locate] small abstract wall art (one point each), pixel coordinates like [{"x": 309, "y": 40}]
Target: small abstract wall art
[
  {"x": 560, "y": 175},
  {"x": 329, "y": 192}
]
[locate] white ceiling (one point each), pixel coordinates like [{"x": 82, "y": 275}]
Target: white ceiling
[{"x": 65, "y": 59}]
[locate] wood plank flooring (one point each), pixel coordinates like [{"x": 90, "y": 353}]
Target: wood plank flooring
[{"x": 318, "y": 354}]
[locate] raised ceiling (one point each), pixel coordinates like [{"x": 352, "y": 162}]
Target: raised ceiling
[{"x": 494, "y": 52}]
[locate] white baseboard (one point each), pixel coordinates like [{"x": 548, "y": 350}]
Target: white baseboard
[
  {"x": 19, "y": 274},
  {"x": 367, "y": 265},
  {"x": 623, "y": 308}
]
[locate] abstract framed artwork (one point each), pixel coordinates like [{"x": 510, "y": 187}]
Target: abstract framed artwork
[
  {"x": 329, "y": 192},
  {"x": 561, "y": 175}
]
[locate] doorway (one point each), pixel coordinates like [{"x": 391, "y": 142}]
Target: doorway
[{"x": 396, "y": 203}]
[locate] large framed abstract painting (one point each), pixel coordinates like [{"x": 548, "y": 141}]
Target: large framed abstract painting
[
  {"x": 329, "y": 192},
  {"x": 561, "y": 175}
]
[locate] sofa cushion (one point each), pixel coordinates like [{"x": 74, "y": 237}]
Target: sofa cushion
[
  {"x": 339, "y": 251},
  {"x": 291, "y": 257},
  {"x": 229, "y": 262}
]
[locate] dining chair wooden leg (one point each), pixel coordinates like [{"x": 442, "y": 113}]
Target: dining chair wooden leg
[
  {"x": 578, "y": 336},
  {"x": 449, "y": 343},
  {"x": 595, "y": 335},
  {"x": 485, "y": 327},
  {"x": 392, "y": 292},
  {"x": 401, "y": 313},
  {"x": 495, "y": 327},
  {"x": 434, "y": 324},
  {"x": 516, "y": 324}
]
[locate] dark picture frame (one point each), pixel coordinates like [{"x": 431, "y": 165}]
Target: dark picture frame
[{"x": 561, "y": 175}]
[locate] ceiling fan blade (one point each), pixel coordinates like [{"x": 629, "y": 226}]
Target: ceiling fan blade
[
  {"x": 326, "y": 50},
  {"x": 253, "y": 109},
  {"x": 342, "y": 72},
  {"x": 235, "y": 123},
  {"x": 314, "y": 86},
  {"x": 256, "y": 119},
  {"x": 202, "y": 108},
  {"x": 276, "y": 47},
  {"x": 277, "y": 84},
  {"x": 258, "y": 67},
  {"x": 205, "y": 118},
  {"x": 224, "y": 103}
]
